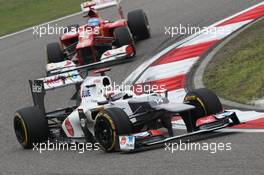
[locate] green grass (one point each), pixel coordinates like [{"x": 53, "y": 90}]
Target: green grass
[
  {"x": 237, "y": 71},
  {"x": 20, "y": 14}
]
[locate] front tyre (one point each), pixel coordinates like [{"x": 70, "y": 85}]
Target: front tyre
[
  {"x": 206, "y": 103},
  {"x": 123, "y": 37},
  {"x": 109, "y": 124},
  {"x": 139, "y": 24},
  {"x": 30, "y": 127}
]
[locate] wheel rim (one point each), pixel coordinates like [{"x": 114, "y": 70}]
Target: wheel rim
[
  {"x": 19, "y": 130},
  {"x": 104, "y": 133}
]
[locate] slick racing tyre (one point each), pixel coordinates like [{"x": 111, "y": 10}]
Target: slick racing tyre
[
  {"x": 54, "y": 53},
  {"x": 139, "y": 24},
  {"x": 30, "y": 127},
  {"x": 109, "y": 124},
  {"x": 123, "y": 37},
  {"x": 205, "y": 102}
]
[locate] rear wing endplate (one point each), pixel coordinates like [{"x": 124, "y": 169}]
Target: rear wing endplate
[{"x": 38, "y": 92}]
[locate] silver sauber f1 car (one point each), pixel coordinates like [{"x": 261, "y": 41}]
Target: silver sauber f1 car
[{"x": 116, "y": 120}]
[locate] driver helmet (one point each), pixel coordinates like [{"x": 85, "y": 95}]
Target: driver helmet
[{"x": 93, "y": 22}]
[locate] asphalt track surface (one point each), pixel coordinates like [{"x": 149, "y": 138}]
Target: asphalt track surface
[{"x": 22, "y": 57}]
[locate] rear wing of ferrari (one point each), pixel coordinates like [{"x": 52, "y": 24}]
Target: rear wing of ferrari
[
  {"x": 102, "y": 4},
  {"x": 99, "y": 4}
]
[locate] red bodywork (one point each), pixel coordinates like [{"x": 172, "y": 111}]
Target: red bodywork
[{"x": 88, "y": 37}]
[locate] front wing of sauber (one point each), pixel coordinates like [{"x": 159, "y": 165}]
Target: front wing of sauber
[{"x": 148, "y": 140}]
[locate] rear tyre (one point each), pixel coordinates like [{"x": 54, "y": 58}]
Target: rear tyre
[
  {"x": 109, "y": 124},
  {"x": 206, "y": 103},
  {"x": 54, "y": 53},
  {"x": 139, "y": 24},
  {"x": 30, "y": 127},
  {"x": 123, "y": 37}
]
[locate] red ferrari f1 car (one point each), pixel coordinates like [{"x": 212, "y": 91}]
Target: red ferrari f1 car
[{"x": 99, "y": 40}]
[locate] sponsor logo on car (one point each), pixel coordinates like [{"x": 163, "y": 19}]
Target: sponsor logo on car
[
  {"x": 69, "y": 127},
  {"x": 36, "y": 88},
  {"x": 142, "y": 134},
  {"x": 123, "y": 140},
  {"x": 86, "y": 93},
  {"x": 127, "y": 143}
]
